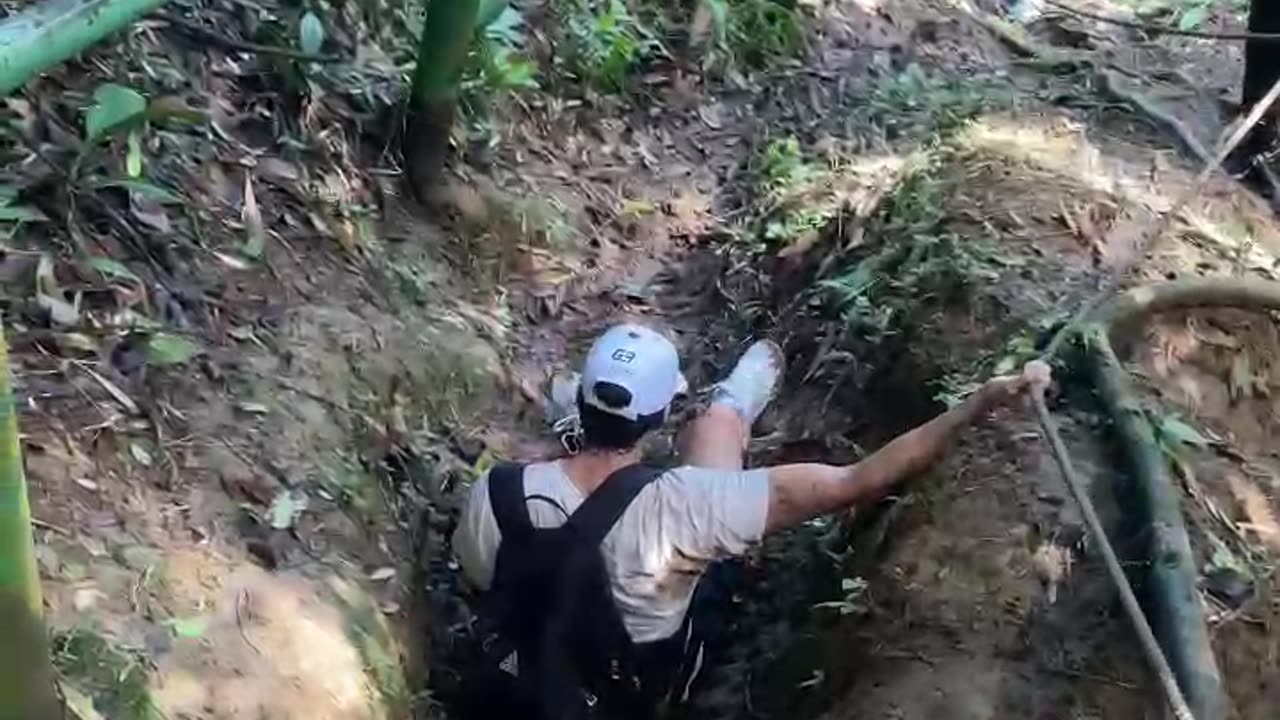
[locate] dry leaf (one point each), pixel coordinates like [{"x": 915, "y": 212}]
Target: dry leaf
[
  {"x": 150, "y": 213},
  {"x": 1052, "y": 564},
  {"x": 1173, "y": 345},
  {"x": 1256, "y": 507},
  {"x": 276, "y": 169},
  {"x": 51, "y": 298},
  {"x": 256, "y": 235},
  {"x": 1240, "y": 380}
]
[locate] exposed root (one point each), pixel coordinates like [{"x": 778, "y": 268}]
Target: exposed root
[{"x": 1134, "y": 305}]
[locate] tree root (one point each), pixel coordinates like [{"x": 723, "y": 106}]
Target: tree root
[
  {"x": 1172, "y": 598},
  {"x": 1107, "y": 83},
  {"x": 1134, "y": 305}
]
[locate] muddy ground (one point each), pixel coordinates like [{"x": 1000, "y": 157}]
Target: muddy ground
[{"x": 260, "y": 529}]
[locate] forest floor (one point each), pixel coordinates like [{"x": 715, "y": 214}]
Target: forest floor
[{"x": 255, "y": 377}]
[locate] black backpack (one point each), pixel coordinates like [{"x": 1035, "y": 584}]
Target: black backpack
[{"x": 552, "y": 645}]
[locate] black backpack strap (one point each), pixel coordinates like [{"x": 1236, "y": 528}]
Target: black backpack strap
[
  {"x": 506, "y": 498},
  {"x": 596, "y": 516}
]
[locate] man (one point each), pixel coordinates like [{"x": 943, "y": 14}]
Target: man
[{"x": 708, "y": 509}]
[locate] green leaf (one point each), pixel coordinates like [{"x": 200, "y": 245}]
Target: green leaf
[
  {"x": 113, "y": 269},
  {"x": 21, "y": 213},
  {"x": 1174, "y": 429},
  {"x": 285, "y": 508},
  {"x": 141, "y": 454},
  {"x": 1193, "y": 17},
  {"x": 164, "y": 350},
  {"x": 79, "y": 704},
  {"x": 505, "y": 28},
  {"x": 192, "y": 628},
  {"x": 310, "y": 33},
  {"x": 115, "y": 106},
  {"x": 145, "y": 190},
  {"x": 8, "y": 194},
  {"x": 172, "y": 108},
  {"x": 133, "y": 160}
]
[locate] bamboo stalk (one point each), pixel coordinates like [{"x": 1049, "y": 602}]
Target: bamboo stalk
[
  {"x": 50, "y": 31},
  {"x": 27, "y": 690},
  {"x": 442, "y": 52}
]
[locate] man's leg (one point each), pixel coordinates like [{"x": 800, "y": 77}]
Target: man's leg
[{"x": 718, "y": 438}]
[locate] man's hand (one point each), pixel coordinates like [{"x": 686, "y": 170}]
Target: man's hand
[{"x": 1004, "y": 389}]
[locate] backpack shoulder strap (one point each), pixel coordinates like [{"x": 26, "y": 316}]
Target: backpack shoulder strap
[
  {"x": 506, "y": 498},
  {"x": 597, "y": 515}
]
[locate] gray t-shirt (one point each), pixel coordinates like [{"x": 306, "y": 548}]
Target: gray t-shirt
[{"x": 677, "y": 525}]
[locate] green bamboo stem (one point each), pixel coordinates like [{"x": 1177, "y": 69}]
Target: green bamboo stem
[
  {"x": 442, "y": 52},
  {"x": 50, "y": 31},
  {"x": 1172, "y": 599},
  {"x": 27, "y": 690}
]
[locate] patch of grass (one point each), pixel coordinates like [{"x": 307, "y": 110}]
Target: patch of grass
[
  {"x": 917, "y": 259},
  {"x": 790, "y": 225},
  {"x": 784, "y": 177},
  {"x": 347, "y": 480},
  {"x": 368, "y": 631},
  {"x": 752, "y": 33},
  {"x": 496, "y": 68},
  {"x": 602, "y": 43},
  {"x": 781, "y": 166},
  {"x": 115, "y": 679},
  {"x": 1186, "y": 14},
  {"x": 920, "y": 103}
]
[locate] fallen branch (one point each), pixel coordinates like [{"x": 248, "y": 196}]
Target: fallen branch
[
  {"x": 1159, "y": 29},
  {"x": 227, "y": 43}
]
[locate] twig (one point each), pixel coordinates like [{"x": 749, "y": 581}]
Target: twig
[
  {"x": 50, "y": 527},
  {"x": 1159, "y": 29},
  {"x": 1088, "y": 676},
  {"x": 205, "y": 33},
  {"x": 112, "y": 389},
  {"x": 241, "y": 598},
  {"x": 1147, "y": 639}
]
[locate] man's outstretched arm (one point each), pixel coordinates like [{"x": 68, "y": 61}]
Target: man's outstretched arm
[{"x": 803, "y": 491}]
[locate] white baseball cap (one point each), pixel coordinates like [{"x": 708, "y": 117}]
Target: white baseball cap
[{"x": 633, "y": 372}]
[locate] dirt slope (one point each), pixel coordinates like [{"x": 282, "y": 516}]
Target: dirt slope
[{"x": 259, "y": 530}]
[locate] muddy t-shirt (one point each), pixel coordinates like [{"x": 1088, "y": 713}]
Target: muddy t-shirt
[{"x": 661, "y": 545}]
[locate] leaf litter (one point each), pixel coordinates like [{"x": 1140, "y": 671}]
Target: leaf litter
[{"x": 190, "y": 296}]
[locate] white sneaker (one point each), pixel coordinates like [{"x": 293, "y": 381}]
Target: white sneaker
[{"x": 753, "y": 381}]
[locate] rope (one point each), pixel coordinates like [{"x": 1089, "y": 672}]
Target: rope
[{"x": 1150, "y": 647}]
